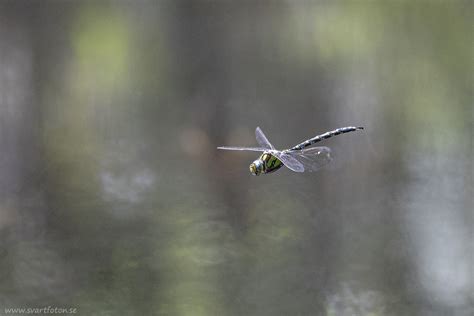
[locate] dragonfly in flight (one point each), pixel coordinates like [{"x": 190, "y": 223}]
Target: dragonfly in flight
[{"x": 298, "y": 158}]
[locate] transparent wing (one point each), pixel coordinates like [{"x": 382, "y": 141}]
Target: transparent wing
[
  {"x": 289, "y": 161},
  {"x": 242, "y": 148},
  {"x": 262, "y": 140},
  {"x": 312, "y": 159}
]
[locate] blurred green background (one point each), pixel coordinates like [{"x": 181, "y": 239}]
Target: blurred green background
[{"x": 115, "y": 201}]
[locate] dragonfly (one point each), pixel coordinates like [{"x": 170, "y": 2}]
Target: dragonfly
[{"x": 298, "y": 158}]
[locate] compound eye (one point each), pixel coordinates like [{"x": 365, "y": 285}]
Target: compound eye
[{"x": 253, "y": 169}]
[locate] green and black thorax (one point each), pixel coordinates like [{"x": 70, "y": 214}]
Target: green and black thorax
[
  {"x": 270, "y": 162},
  {"x": 266, "y": 163}
]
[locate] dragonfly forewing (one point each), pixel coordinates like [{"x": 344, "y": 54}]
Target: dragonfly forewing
[
  {"x": 289, "y": 161},
  {"x": 242, "y": 148},
  {"x": 262, "y": 139}
]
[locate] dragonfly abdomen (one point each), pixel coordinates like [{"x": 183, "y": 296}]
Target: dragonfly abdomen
[{"x": 326, "y": 135}]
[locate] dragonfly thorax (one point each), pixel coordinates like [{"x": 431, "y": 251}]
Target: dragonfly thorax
[{"x": 266, "y": 163}]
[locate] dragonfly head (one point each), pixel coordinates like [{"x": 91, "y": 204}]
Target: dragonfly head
[{"x": 256, "y": 167}]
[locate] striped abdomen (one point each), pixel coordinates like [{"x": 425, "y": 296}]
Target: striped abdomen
[{"x": 326, "y": 135}]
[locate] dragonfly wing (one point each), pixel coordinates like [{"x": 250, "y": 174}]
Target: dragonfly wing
[
  {"x": 289, "y": 161},
  {"x": 242, "y": 148},
  {"x": 262, "y": 140},
  {"x": 312, "y": 158}
]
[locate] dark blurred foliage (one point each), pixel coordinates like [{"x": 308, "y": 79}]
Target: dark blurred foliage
[{"x": 114, "y": 199}]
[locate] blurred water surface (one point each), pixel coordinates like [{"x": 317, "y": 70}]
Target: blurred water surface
[{"x": 115, "y": 201}]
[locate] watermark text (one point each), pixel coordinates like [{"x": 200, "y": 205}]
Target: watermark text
[{"x": 40, "y": 310}]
